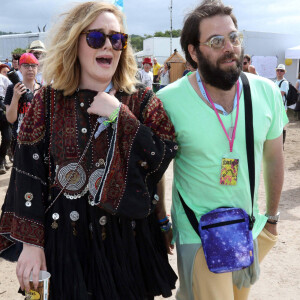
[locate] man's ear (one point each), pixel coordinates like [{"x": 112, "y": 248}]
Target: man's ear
[{"x": 192, "y": 52}]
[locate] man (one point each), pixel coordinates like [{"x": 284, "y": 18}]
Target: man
[
  {"x": 18, "y": 98},
  {"x": 212, "y": 44},
  {"x": 283, "y": 85},
  {"x": 15, "y": 62},
  {"x": 247, "y": 67},
  {"x": 145, "y": 74},
  {"x": 37, "y": 48},
  {"x": 8, "y": 63},
  {"x": 156, "y": 68}
]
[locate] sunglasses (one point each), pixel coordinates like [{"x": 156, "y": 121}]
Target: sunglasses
[
  {"x": 245, "y": 63},
  {"x": 95, "y": 38},
  {"x": 218, "y": 41},
  {"x": 279, "y": 70}
]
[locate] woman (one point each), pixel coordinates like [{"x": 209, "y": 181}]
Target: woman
[
  {"x": 4, "y": 69},
  {"x": 90, "y": 153},
  {"x": 165, "y": 76},
  {"x": 19, "y": 96}
]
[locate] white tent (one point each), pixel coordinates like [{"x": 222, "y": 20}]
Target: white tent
[{"x": 293, "y": 53}]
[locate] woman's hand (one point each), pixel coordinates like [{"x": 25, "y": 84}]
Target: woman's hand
[
  {"x": 32, "y": 259},
  {"x": 19, "y": 90},
  {"x": 104, "y": 104}
]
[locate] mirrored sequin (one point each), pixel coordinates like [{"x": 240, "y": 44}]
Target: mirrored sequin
[
  {"x": 175, "y": 147},
  {"x": 74, "y": 216},
  {"x": 28, "y": 196},
  {"x": 103, "y": 220},
  {"x": 156, "y": 197},
  {"x": 152, "y": 153},
  {"x": 82, "y": 104},
  {"x": 28, "y": 203},
  {"x": 133, "y": 224},
  {"x": 35, "y": 156},
  {"x": 55, "y": 216},
  {"x": 84, "y": 130}
]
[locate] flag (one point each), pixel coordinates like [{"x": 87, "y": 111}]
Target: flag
[{"x": 119, "y": 4}]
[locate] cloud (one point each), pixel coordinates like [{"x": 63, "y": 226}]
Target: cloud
[{"x": 147, "y": 17}]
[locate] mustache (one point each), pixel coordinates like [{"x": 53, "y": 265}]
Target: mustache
[{"x": 227, "y": 56}]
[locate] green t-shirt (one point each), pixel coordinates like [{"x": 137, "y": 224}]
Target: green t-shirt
[{"x": 202, "y": 144}]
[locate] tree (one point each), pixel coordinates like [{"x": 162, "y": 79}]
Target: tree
[
  {"x": 136, "y": 42},
  {"x": 18, "y": 51}
]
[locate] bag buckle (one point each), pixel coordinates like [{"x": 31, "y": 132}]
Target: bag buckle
[{"x": 251, "y": 222}]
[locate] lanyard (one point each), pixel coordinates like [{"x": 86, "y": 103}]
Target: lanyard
[
  {"x": 231, "y": 140},
  {"x": 219, "y": 107},
  {"x": 102, "y": 119}
]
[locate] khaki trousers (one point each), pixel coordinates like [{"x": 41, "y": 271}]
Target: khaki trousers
[{"x": 211, "y": 286}]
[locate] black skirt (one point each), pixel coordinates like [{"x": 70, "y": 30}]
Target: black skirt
[{"x": 91, "y": 254}]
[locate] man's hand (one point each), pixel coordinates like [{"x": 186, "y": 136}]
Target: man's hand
[
  {"x": 272, "y": 228},
  {"x": 32, "y": 259},
  {"x": 168, "y": 239}
]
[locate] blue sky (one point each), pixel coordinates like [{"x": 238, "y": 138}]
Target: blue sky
[{"x": 148, "y": 16}]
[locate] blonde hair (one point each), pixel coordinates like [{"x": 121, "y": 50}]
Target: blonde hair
[{"x": 61, "y": 65}]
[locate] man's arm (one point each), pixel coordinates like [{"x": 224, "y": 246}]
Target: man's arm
[
  {"x": 161, "y": 213},
  {"x": 273, "y": 164}
]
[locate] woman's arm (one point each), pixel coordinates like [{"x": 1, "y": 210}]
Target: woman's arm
[
  {"x": 12, "y": 109},
  {"x": 32, "y": 259}
]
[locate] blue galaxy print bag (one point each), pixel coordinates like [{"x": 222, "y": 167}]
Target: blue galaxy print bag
[{"x": 226, "y": 239}]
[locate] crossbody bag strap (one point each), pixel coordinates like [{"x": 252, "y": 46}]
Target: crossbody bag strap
[
  {"x": 249, "y": 140},
  {"x": 250, "y": 155}
]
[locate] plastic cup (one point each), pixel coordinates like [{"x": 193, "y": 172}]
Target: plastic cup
[{"x": 42, "y": 292}]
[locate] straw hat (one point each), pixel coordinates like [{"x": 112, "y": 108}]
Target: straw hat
[{"x": 37, "y": 46}]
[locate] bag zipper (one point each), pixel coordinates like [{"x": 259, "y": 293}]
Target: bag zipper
[{"x": 223, "y": 223}]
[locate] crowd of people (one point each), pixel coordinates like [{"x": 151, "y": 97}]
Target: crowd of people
[{"x": 90, "y": 142}]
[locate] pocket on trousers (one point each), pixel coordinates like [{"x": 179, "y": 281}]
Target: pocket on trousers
[{"x": 273, "y": 238}]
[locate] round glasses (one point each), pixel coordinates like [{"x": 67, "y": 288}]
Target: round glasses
[
  {"x": 95, "y": 38},
  {"x": 27, "y": 66},
  {"x": 218, "y": 41}
]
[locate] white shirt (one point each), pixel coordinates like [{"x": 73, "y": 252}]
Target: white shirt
[
  {"x": 146, "y": 78},
  {"x": 4, "y": 83},
  {"x": 165, "y": 78},
  {"x": 283, "y": 88}
]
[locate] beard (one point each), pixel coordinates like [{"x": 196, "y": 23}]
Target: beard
[{"x": 217, "y": 77}]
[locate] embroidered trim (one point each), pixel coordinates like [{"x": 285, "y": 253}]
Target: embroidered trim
[
  {"x": 30, "y": 175},
  {"x": 22, "y": 229}
]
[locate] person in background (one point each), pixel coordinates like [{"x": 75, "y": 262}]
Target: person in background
[
  {"x": 283, "y": 85},
  {"x": 4, "y": 126},
  {"x": 18, "y": 97},
  {"x": 15, "y": 62},
  {"x": 8, "y": 63},
  {"x": 164, "y": 75},
  {"x": 82, "y": 199},
  {"x": 4, "y": 69},
  {"x": 297, "y": 86},
  {"x": 37, "y": 48},
  {"x": 207, "y": 111},
  {"x": 247, "y": 67},
  {"x": 156, "y": 69},
  {"x": 188, "y": 69},
  {"x": 146, "y": 74}
]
